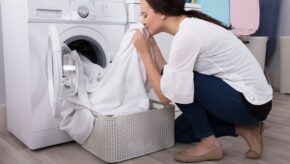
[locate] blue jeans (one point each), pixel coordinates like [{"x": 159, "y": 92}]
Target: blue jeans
[{"x": 216, "y": 110}]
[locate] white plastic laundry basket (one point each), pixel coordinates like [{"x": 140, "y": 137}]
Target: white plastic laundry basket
[
  {"x": 257, "y": 45},
  {"x": 119, "y": 138}
]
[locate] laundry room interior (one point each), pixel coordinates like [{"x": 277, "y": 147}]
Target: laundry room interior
[{"x": 99, "y": 81}]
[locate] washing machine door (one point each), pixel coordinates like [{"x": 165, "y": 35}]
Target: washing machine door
[{"x": 62, "y": 71}]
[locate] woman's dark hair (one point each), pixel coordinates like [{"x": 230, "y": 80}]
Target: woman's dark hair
[{"x": 176, "y": 8}]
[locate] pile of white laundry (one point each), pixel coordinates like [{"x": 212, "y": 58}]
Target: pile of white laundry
[{"x": 121, "y": 88}]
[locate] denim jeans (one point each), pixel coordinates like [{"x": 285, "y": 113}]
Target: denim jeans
[{"x": 216, "y": 110}]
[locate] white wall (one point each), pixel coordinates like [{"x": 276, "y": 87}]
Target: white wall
[
  {"x": 283, "y": 29},
  {"x": 2, "y": 83},
  {"x": 284, "y": 26}
]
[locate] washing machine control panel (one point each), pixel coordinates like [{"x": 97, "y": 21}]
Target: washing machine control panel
[
  {"x": 94, "y": 11},
  {"x": 83, "y": 11}
]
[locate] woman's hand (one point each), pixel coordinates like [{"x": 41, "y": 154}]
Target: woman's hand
[{"x": 141, "y": 43}]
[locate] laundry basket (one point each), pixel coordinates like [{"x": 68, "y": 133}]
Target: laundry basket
[
  {"x": 119, "y": 138},
  {"x": 257, "y": 46}
]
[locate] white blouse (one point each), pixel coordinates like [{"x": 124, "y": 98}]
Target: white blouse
[{"x": 210, "y": 49}]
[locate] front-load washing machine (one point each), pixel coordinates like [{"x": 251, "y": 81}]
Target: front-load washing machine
[{"x": 35, "y": 29}]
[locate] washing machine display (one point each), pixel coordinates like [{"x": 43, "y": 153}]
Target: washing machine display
[{"x": 102, "y": 11}]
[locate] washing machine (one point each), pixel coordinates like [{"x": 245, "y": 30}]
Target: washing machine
[{"x": 38, "y": 36}]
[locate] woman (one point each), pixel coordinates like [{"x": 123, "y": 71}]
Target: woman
[{"x": 211, "y": 76}]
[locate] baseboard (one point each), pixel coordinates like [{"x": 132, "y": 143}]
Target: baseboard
[
  {"x": 3, "y": 118},
  {"x": 2, "y": 106}
]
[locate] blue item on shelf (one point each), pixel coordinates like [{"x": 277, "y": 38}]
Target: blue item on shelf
[{"x": 218, "y": 9}]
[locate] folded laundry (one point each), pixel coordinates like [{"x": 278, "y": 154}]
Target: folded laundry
[{"x": 120, "y": 88}]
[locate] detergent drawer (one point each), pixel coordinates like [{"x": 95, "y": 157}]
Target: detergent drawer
[{"x": 119, "y": 138}]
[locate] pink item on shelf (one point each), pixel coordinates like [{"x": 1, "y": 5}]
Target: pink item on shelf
[{"x": 244, "y": 16}]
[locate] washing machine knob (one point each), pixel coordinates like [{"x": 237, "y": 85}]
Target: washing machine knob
[{"x": 83, "y": 11}]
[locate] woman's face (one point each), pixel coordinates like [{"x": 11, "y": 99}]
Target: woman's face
[{"x": 150, "y": 19}]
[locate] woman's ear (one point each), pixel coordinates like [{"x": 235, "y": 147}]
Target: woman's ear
[{"x": 163, "y": 17}]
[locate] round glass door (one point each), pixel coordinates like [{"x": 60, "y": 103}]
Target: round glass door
[{"x": 62, "y": 71}]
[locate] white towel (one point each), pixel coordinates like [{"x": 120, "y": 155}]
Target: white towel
[
  {"x": 76, "y": 118},
  {"x": 93, "y": 73},
  {"x": 121, "y": 88}
]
